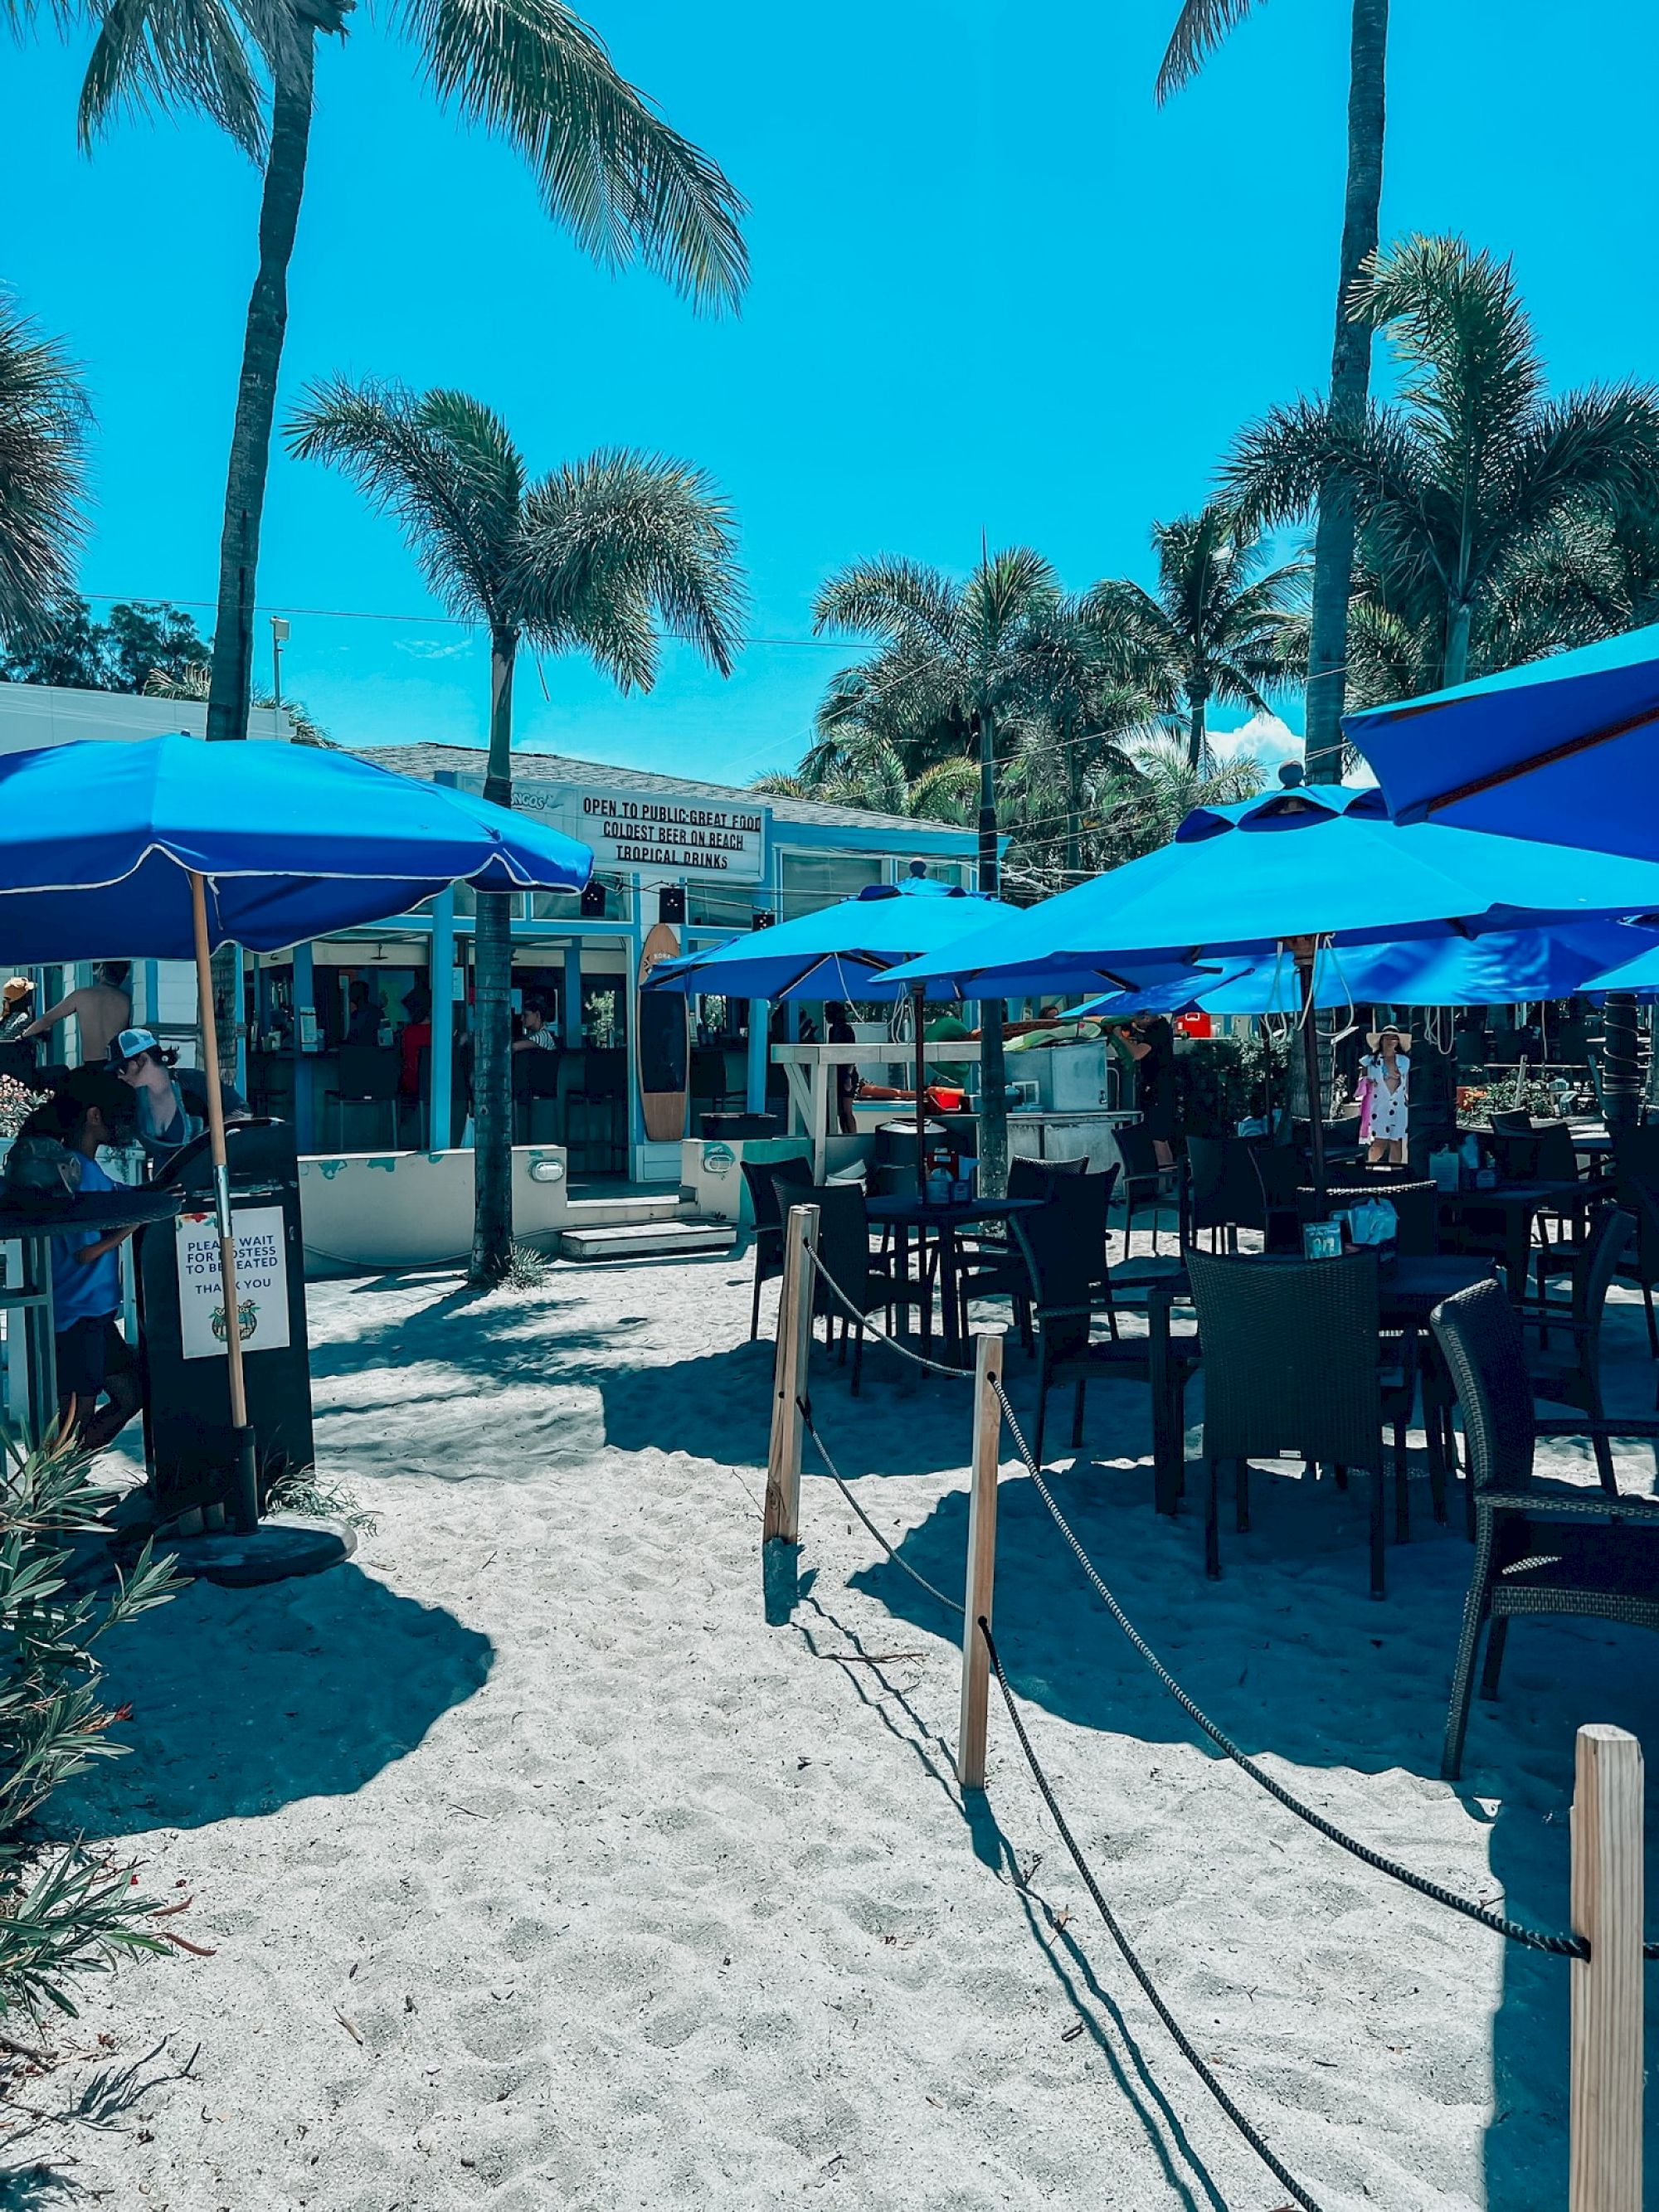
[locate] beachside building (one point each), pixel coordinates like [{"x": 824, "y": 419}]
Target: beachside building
[{"x": 363, "y": 1040}]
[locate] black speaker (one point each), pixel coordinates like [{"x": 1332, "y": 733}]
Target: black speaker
[
  {"x": 593, "y": 900},
  {"x": 671, "y": 903}
]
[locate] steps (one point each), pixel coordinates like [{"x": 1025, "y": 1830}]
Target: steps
[{"x": 646, "y": 1238}]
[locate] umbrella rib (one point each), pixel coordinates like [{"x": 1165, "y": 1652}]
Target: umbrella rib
[{"x": 1564, "y": 750}]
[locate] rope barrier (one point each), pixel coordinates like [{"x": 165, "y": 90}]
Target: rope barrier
[
  {"x": 1182, "y": 2042},
  {"x": 836, "y": 1477},
  {"x": 1564, "y": 1947},
  {"x": 933, "y": 1366}
]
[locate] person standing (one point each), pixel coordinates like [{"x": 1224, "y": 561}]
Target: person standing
[
  {"x": 170, "y": 1103},
  {"x": 539, "y": 1034},
  {"x": 1385, "y": 1074},
  {"x": 94, "y": 1360},
  {"x": 839, "y": 1030},
  {"x": 1149, "y": 1043},
  {"x": 102, "y": 1008},
  {"x": 17, "y": 1053}
]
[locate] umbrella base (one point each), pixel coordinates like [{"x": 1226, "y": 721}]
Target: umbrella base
[{"x": 278, "y": 1551}]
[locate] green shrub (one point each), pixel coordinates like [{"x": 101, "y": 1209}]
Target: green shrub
[{"x": 62, "y": 1913}]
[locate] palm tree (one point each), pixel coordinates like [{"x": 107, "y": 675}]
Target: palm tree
[
  {"x": 1216, "y": 627},
  {"x": 612, "y": 171},
  {"x": 1456, "y": 485},
  {"x": 1142, "y": 809},
  {"x": 43, "y": 418},
  {"x": 1202, "y": 25},
  {"x": 591, "y": 558},
  {"x": 948, "y": 661}
]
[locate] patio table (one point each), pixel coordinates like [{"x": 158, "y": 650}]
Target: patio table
[
  {"x": 904, "y": 1213},
  {"x": 1516, "y": 1204}
]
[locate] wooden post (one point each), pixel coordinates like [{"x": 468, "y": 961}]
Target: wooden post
[
  {"x": 982, "y": 1561},
  {"x": 1606, "y": 2157},
  {"x": 800, "y": 1238}
]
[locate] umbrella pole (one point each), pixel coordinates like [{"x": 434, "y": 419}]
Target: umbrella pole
[
  {"x": 245, "y": 1493},
  {"x": 1305, "y": 951},
  {"x": 918, "y": 1000}
]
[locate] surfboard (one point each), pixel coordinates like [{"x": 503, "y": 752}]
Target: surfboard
[{"x": 664, "y": 1034}]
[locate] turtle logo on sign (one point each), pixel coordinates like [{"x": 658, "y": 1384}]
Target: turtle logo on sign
[{"x": 247, "y": 1320}]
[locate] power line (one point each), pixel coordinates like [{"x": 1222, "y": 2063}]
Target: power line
[{"x": 427, "y": 622}]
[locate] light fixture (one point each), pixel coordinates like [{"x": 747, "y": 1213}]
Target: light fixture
[{"x": 547, "y": 1170}]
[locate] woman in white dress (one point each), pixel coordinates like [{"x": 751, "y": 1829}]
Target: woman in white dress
[{"x": 1385, "y": 1077}]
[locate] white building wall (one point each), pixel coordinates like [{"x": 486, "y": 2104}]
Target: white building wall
[{"x": 34, "y": 714}]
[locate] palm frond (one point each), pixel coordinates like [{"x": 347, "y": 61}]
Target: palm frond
[
  {"x": 172, "y": 57},
  {"x": 44, "y": 417},
  {"x": 624, "y": 183},
  {"x": 442, "y": 466},
  {"x": 609, "y": 543},
  {"x": 885, "y": 596},
  {"x": 1200, "y": 28}
]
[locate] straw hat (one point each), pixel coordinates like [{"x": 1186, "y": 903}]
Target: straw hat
[
  {"x": 18, "y": 987},
  {"x": 1374, "y": 1037}
]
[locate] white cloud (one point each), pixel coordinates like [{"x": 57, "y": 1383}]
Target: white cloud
[
  {"x": 430, "y": 649},
  {"x": 1264, "y": 735}
]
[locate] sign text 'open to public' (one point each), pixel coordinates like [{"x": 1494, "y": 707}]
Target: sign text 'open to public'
[{"x": 664, "y": 836}]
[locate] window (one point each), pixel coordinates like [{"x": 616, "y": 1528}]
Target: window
[{"x": 811, "y": 880}]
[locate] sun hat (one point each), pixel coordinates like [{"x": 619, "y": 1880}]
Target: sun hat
[
  {"x": 19, "y": 987},
  {"x": 1374, "y": 1037},
  {"x": 130, "y": 1044}
]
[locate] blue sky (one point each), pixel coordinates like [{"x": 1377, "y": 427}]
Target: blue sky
[{"x": 995, "y": 289}]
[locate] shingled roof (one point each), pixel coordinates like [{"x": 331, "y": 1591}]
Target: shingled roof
[{"x": 430, "y": 760}]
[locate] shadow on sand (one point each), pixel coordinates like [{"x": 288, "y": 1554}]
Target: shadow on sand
[
  {"x": 1338, "y": 1686},
  {"x": 246, "y": 1700}
]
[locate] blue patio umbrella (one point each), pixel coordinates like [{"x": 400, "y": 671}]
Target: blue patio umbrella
[
  {"x": 1291, "y": 868},
  {"x": 840, "y": 951},
  {"x": 164, "y": 847},
  {"x": 102, "y": 845},
  {"x": 1564, "y": 750},
  {"x": 1505, "y": 968}
]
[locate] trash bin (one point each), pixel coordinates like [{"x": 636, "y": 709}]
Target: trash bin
[{"x": 189, "y": 1444}]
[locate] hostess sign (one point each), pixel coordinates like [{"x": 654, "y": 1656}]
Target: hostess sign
[{"x": 662, "y": 832}]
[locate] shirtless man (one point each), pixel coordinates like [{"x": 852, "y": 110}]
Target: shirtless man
[{"x": 103, "y": 1008}]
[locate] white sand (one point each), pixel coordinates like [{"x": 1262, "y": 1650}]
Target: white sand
[{"x": 541, "y": 1872}]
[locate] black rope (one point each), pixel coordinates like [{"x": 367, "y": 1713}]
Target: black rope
[
  {"x": 1182, "y": 2042},
  {"x": 1562, "y": 1947},
  {"x": 933, "y": 1366},
  {"x": 835, "y": 1477}
]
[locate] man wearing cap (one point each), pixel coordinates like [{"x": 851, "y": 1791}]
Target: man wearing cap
[{"x": 170, "y": 1103}]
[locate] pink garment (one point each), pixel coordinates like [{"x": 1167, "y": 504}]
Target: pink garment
[{"x": 1366, "y": 1093}]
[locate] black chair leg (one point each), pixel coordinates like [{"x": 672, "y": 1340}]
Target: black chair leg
[
  {"x": 1497, "y": 1639},
  {"x": 1379, "y": 1566},
  {"x": 1462, "y": 1689},
  {"x": 1603, "y": 1451},
  {"x": 858, "y": 1358},
  {"x": 754, "y": 1303},
  {"x": 1042, "y": 1414},
  {"x": 1653, "y": 1325},
  {"x": 1403, "y": 1487},
  {"x": 1077, "y": 1416},
  {"x": 1212, "y": 1519}
]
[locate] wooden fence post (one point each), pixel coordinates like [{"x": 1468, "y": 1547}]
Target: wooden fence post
[
  {"x": 982, "y": 1561},
  {"x": 1606, "y": 2156},
  {"x": 800, "y": 1239}
]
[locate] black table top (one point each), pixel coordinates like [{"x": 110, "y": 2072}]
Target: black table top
[
  {"x": 128, "y": 1207},
  {"x": 1405, "y": 1281},
  {"x": 956, "y": 1213},
  {"x": 1518, "y": 1193}
]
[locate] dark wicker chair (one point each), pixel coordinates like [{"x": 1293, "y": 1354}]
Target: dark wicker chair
[
  {"x": 1277, "y": 1171},
  {"x": 767, "y": 1181},
  {"x": 1289, "y": 1371},
  {"x": 867, "y": 1283},
  {"x": 1000, "y": 1271},
  {"x": 1064, "y": 1271},
  {"x": 1144, "y": 1179},
  {"x": 1573, "y": 1376},
  {"x": 1541, "y": 1547},
  {"x": 1209, "y": 1193}
]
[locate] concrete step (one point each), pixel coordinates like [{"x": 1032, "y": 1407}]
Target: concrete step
[
  {"x": 647, "y": 1240},
  {"x": 622, "y": 1212}
]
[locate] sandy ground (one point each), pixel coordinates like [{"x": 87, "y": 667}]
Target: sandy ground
[{"x": 540, "y": 1871}]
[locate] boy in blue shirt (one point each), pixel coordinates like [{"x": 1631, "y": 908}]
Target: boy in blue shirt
[{"x": 94, "y": 1360}]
